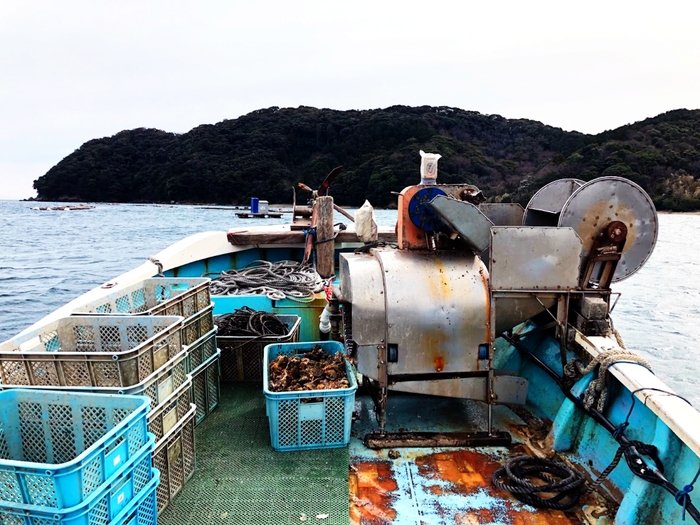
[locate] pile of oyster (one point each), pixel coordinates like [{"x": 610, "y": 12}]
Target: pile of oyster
[{"x": 311, "y": 370}]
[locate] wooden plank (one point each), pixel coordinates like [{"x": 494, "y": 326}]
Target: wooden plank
[
  {"x": 325, "y": 244},
  {"x": 248, "y": 238},
  {"x": 377, "y": 441}
]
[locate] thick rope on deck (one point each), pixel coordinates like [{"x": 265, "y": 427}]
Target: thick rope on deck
[
  {"x": 280, "y": 280},
  {"x": 597, "y": 391},
  {"x": 530, "y": 478}
]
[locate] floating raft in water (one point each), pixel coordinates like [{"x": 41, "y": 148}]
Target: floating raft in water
[
  {"x": 248, "y": 215},
  {"x": 65, "y": 208}
]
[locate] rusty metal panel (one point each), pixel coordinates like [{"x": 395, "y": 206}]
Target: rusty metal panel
[
  {"x": 432, "y": 308},
  {"x": 437, "y": 310},
  {"x": 503, "y": 213},
  {"x": 534, "y": 258},
  {"x": 439, "y": 487},
  {"x": 466, "y": 219}
]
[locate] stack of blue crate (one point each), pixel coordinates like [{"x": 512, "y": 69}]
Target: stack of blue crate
[{"x": 70, "y": 458}]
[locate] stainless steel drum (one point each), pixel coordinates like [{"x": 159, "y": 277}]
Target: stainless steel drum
[{"x": 430, "y": 310}]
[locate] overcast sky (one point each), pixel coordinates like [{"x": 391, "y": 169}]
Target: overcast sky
[{"x": 71, "y": 71}]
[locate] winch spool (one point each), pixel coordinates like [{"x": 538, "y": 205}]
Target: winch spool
[
  {"x": 546, "y": 204},
  {"x": 598, "y": 203}
]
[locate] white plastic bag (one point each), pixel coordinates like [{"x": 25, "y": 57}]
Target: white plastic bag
[
  {"x": 428, "y": 167},
  {"x": 365, "y": 224}
]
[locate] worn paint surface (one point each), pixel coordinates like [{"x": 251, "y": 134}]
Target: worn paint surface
[
  {"x": 438, "y": 284},
  {"x": 439, "y": 487}
]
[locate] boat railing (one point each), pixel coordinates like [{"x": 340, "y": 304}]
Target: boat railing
[{"x": 680, "y": 416}]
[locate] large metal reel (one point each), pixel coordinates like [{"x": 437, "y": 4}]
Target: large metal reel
[
  {"x": 601, "y": 201},
  {"x": 546, "y": 204}
]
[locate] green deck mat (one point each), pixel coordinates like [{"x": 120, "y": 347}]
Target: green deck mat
[{"x": 240, "y": 479}]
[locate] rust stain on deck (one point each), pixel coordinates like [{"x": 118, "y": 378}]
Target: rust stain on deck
[
  {"x": 444, "y": 487},
  {"x": 371, "y": 488}
]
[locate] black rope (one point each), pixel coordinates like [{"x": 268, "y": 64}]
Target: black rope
[
  {"x": 158, "y": 264},
  {"x": 248, "y": 322},
  {"x": 340, "y": 226},
  {"x": 517, "y": 476},
  {"x": 661, "y": 390}
]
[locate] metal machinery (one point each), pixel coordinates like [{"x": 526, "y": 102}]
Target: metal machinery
[{"x": 423, "y": 316}]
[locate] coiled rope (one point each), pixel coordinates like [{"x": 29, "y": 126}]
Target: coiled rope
[
  {"x": 248, "y": 322},
  {"x": 597, "y": 391},
  {"x": 518, "y": 474},
  {"x": 565, "y": 484},
  {"x": 281, "y": 280}
]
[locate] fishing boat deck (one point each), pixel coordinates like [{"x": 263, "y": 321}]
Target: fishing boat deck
[{"x": 240, "y": 479}]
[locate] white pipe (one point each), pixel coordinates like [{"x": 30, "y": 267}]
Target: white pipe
[{"x": 324, "y": 326}]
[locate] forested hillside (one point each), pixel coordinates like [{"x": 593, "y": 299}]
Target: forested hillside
[{"x": 265, "y": 153}]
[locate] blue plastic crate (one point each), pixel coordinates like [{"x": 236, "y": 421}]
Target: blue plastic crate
[
  {"x": 141, "y": 510},
  {"x": 57, "y": 448},
  {"x": 308, "y": 419},
  {"x": 144, "y": 509},
  {"x": 103, "y": 506}
]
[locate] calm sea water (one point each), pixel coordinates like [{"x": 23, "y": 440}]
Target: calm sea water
[{"x": 50, "y": 257}]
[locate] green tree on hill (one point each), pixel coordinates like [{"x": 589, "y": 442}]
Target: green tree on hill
[{"x": 266, "y": 152}]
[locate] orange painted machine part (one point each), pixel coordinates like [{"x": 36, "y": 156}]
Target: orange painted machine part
[{"x": 409, "y": 236}]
